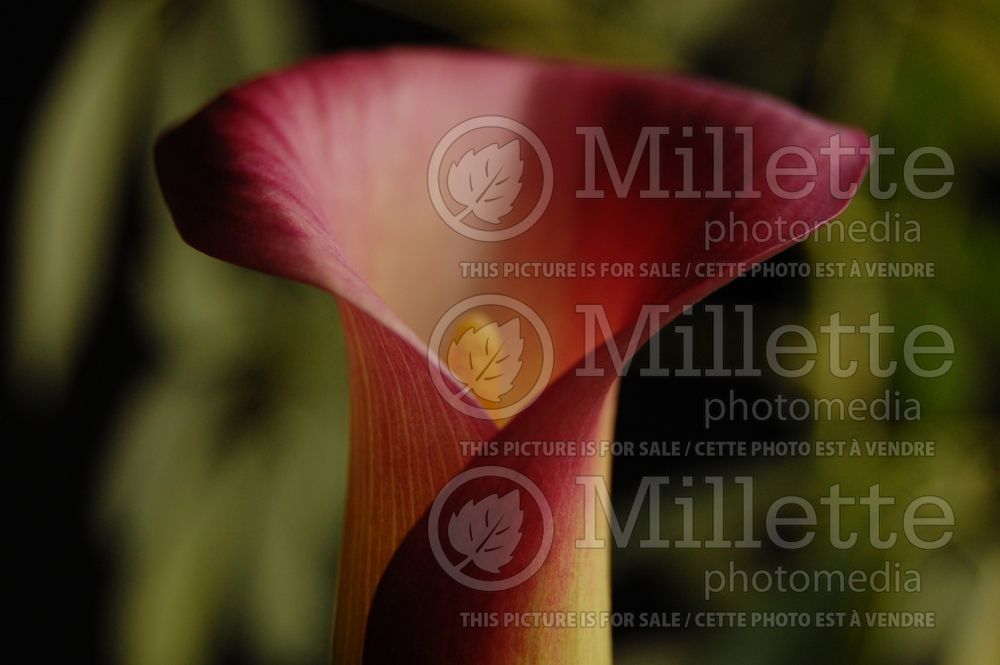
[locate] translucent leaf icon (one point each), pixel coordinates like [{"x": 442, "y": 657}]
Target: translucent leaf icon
[
  {"x": 487, "y": 181},
  {"x": 487, "y": 532},
  {"x": 486, "y": 360}
]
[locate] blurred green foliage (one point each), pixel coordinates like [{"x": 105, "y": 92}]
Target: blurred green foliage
[
  {"x": 225, "y": 479},
  {"x": 223, "y": 487}
]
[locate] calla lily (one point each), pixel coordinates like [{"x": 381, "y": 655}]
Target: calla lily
[{"x": 320, "y": 174}]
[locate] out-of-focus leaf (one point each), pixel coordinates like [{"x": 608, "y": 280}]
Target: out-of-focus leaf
[
  {"x": 166, "y": 442},
  {"x": 290, "y": 600},
  {"x": 976, "y": 639},
  {"x": 198, "y": 307},
  {"x": 846, "y": 297},
  {"x": 964, "y": 44},
  {"x": 83, "y": 139},
  {"x": 178, "y": 588},
  {"x": 860, "y": 52},
  {"x": 227, "y": 480},
  {"x": 267, "y": 34},
  {"x": 226, "y": 488},
  {"x": 643, "y": 33}
]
